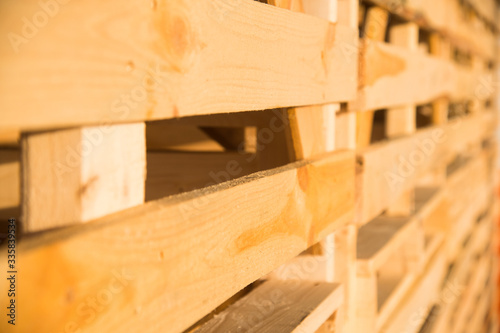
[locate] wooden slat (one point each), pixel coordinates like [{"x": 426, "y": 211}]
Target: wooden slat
[
  {"x": 161, "y": 135},
  {"x": 390, "y": 252},
  {"x": 312, "y": 130},
  {"x": 391, "y": 168},
  {"x": 167, "y": 59},
  {"x": 375, "y": 29},
  {"x": 402, "y": 120},
  {"x": 345, "y": 130},
  {"x": 446, "y": 17},
  {"x": 432, "y": 208},
  {"x": 171, "y": 173},
  {"x": 318, "y": 267},
  {"x": 412, "y": 310},
  {"x": 279, "y": 307},
  {"x": 485, "y": 8},
  {"x": 178, "y": 258},
  {"x": 76, "y": 175},
  {"x": 393, "y": 76},
  {"x": 467, "y": 304},
  {"x": 381, "y": 237}
]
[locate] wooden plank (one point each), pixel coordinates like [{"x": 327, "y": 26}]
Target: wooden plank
[
  {"x": 402, "y": 120},
  {"x": 394, "y": 76},
  {"x": 432, "y": 208},
  {"x": 348, "y": 11},
  {"x": 391, "y": 168},
  {"x": 381, "y": 237},
  {"x": 77, "y": 175},
  {"x": 345, "y": 130},
  {"x": 417, "y": 302},
  {"x": 312, "y": 130},
  {"x": 376, "y": 23},
  {"x": 164, "y": 135},
  {"x": 403, "y": 206},
  {"x": 364, "y": 125},
  {"x": 313, "y": 127},
  {"x": 485, "y": 8},
  {"x": 182, "y": 255},
  {"x": 383, "y": 168},
  {"x": 467, "y": 304},
  {"x": 447, "y": 18},
  {"x": 281, "y": 307},
  {"x": 171, "y": 173},
  {"x": 374, "y": 29},
  {"x": 390, "y": 253},
  {"x": 318, "y": 267},
  {"x": 167, "y": 60}
]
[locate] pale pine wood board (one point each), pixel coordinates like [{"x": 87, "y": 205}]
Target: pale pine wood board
[
  {"x": 171, "y": 173},
  {"x": 390, "y": 252},
  {"x": 431, "y": 206},
  {"x": 402, "y": 120},
  {"x": 161, "y": 135},
  {"x": 348, "y": 13},
  {"x": 467, "y": 304},
  {"x": 318, "y": 267},
  {"x": 385, "y": 167},
  {"x": 412, "y": 311},
  {"x": 180, "y": 257},
  {"x": 392, "y": 76},
  {"x": 374, "y": 29},
  {"x": 479, "y": 313},
  {"x": 379, "y": 171},
  {"x": 173, "y": 56},
  {"x": 76, "y": 175},
  {"x": 312, "y": 130},
  {"x": 447, "y": 18},
  {"x": 381, "y": 237},
  {"x": 345, "y": 130},
  {"x": 455, "y": 284},
  {"x": 279, "y": 307},
  {"x": 486, "y": 8},
  {"x": 403, "y": 206}
]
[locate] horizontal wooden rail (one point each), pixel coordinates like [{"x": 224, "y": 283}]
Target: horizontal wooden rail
[
  {"x": 418, "y": 301},
  {"x": 97, "y": 63},
  {"x": 391, "y": 167},
  {"x": 279, "y": 307},
  {"x": 172, "y": 261},
  {"x": 446, "y": 17},
  {"x": 392, "y": 76}
]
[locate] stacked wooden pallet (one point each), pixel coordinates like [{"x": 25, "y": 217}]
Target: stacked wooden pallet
[{"x": 239, "y": 166}]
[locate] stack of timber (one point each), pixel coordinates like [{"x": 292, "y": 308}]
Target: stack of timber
[{"x": 250, "y": 166}]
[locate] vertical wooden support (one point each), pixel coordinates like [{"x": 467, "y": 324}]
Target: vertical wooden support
[
  {"x": 376, "y": 23},
  {"x": 477, "y": 102},
  {"x": 404, "y": 206},
  {"x": 77, "y": 175},
  {"x": 402, "y": 120},
  {"x": 366, "y": 303},
  {"x": 293, "y": 5},
  {"x": 312, "y": 130},
  {"x": 313, "y": 127},
  {"x": 374, "y": 29},
  {"x": 345, "y": 273},
  {"x": 441, "y": 48},
  {"x": 345, "y": 130}
]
